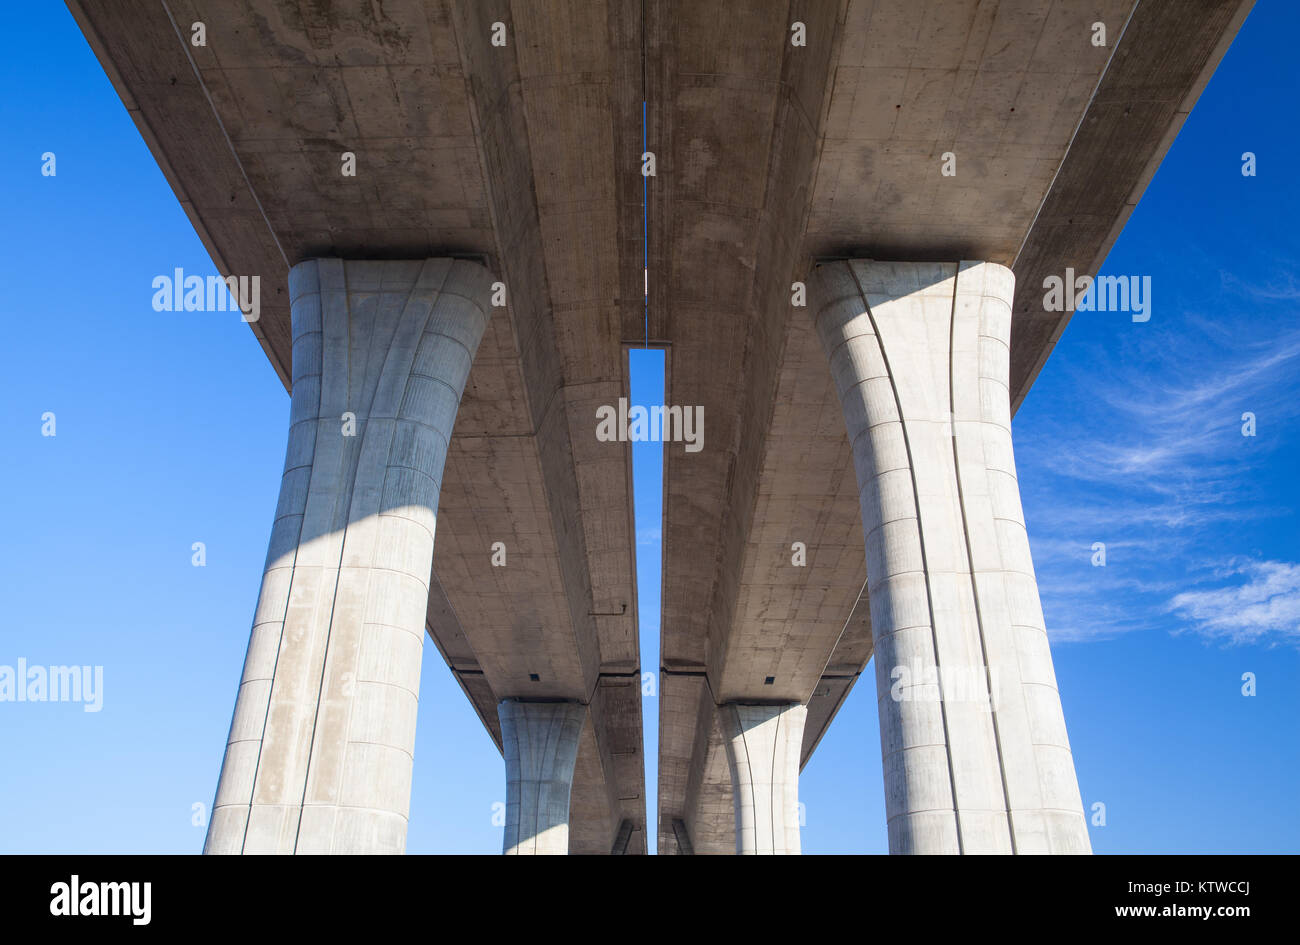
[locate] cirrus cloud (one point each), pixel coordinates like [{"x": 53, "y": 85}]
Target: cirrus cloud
[{"x": 1264, "y": 602}]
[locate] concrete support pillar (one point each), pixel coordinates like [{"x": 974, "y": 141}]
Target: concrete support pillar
[
  {"x": 540, "y": 742},
  {"x": 763, "y": 744},
  {"x": 976, "y": 758},
  {"x": 320, "y": 748}
]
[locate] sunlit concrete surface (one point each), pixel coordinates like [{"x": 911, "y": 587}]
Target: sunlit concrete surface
[
  {"x": 763, "y": 754},
  {"x": 770, "y": 157},
  {"x": 320, "y": 749},
  {"x": 541, "y": 746},
  {"x": 919, "y": 355},
  {"x": 834, "y": 151}
]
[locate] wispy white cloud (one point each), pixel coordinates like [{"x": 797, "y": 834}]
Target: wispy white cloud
[
  {"x": 1157, "y": 474},
  {"x": 1182, "y": 424},
  {"x": 1264, "y": 602},
  {"x": 648, "y": 536},
  {"x": 1285, "y": 286}
]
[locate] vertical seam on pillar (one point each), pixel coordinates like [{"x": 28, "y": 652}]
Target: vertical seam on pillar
[
  {"x": 970, "y": 560},
  {"x": 343, "y": 541},
  {"x": 550, "y": 751},
  {"x": 536, "y": 733},
  {"x": 261, "y": 740},
  {"x": 920, "y": 535},
  {"x": 347, "y": 509},
  {"x": 508, "y": 732},
  {"x": 288, "y": 593},
  {"x": 376, "y": 324},
  {"x": 753, "y": 802},
  {"x": 370, "y": 578},
  {"x": 772, "y": 790},
  {"x": 779, "y": 787}
]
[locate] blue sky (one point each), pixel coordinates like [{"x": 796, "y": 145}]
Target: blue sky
[{"x": 170, "y": 430}]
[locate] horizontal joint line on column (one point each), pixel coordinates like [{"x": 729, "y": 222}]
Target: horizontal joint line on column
[
  {"x": 415, "y": 469},
  {"x": 454, "y": 340},
  {"x": 857, "y": 334},
  {"x": 871, "y": 377},
  {"x": 899, "y": 751},
  {"x": 867, "y": 429},
  {"x": 392, "y": 685},
  {"x": 418, "y": 634},
  {"x": 896, "y": 630},
  {"x": 355, "y": 741},
  {"x": 401, "y": 418},
  {"x": 376, "y": 810},
  {"x": 406, "y": 518},
  {"x": 892, "y": 521},
  {"x": 850, "y": 296},
  {"x": 950, "y": 810},
  {"x": 375, "y": 567},
  {"x": 460, "y": 295}
]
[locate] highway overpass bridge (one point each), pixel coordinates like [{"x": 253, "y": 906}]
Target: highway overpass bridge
[{"x": 842, "y": 191}]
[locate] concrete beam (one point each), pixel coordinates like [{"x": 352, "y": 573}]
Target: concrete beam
[
  {"x": 1041, "y": 121},
  {"x": 506, "y": 154},
  {"x": 1161, "y": 64},
  {"x": 727, "y": 221},
  {"x": 770, "y": 155}
]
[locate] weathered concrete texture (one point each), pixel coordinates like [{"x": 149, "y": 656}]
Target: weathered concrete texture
[
  {"x": 1158, "y": 71},
  {"x": 976, "y": 758},
  {"x": 769, "y": 155},
  {"x": 728, "y": 214},
  {"x": 540, "y": 740},
  {"x": 552, "y": 110},
  {"x": 1045, "y": 170},
  {"x": 508, "y": 153},
  {"x": 763, "y": 744},
  {"x": 320, "y": 749}
]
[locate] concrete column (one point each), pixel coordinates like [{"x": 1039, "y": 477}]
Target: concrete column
[
  {"x": 320, "y": 747},
  {"x": 763, "y": 744},
  {"x": 540, "y": 741},
  {"x": 976, "y": 758}
]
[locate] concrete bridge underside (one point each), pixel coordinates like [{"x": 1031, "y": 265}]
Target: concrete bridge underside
[
  {"x": 1055, "y": 139},
  {"x": 526, "y": 158}
]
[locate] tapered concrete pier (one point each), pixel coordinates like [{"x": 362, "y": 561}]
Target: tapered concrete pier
[
  {"x": 540, "y": 741},
  {"x": 762, "y": 744},
  {"x": 976, "y": 758},
  {"x": 771, "y": 155},
  {"x": 320, "y": 749}
]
